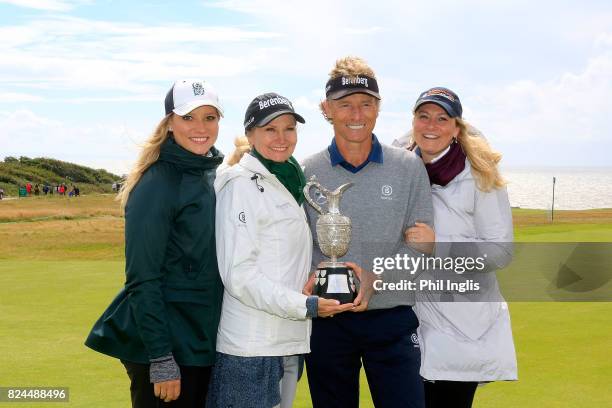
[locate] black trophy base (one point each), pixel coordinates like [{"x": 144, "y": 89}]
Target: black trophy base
[{"x": 336, "y": 282}]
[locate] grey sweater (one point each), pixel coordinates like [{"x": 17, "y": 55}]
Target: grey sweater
[{"x": 385, "y": 199}]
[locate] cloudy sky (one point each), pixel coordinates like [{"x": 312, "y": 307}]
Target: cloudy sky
[{"x": 84, "y": 80}]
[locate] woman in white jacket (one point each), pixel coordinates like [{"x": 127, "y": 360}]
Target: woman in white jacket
[
  {"x": 465, "y": 339},
  {"x": 264, "y": 249}
]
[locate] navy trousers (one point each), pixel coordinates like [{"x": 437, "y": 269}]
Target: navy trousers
[
  {"x": 449, "y": 394},
  {"x": 387, "y": 344}
]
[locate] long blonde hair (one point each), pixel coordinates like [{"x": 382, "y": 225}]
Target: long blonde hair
[
  {"x": 482, "y": 158},
  {"x": 148, "y": 155}
]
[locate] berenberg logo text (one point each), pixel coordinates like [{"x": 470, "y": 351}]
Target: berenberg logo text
[
  {"x": 355, "y": 81},
  {"x": 277, "y": 100}
]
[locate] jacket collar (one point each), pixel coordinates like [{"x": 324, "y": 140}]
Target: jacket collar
[
  {"x": 171, "y": 152},
  {"x": 251, "y": 166}
]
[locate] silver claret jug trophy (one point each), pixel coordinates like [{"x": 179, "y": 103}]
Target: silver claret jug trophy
[{"x": 333, "y": 279}]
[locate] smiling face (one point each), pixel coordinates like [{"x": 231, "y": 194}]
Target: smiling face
[
  {"x": 353, "y": 117},
  {"x": 433, "y": 130},
  {"x": 275, "y": 141},
  {"x": 196, "y": 131}
]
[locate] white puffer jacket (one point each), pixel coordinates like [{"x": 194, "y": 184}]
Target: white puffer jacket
[
  {"x": 469, "y": 341},
  {"x": 264, "y": 249}
]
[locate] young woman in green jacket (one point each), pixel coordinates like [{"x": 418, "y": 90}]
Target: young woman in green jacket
[{"x": 163, "y": 324}]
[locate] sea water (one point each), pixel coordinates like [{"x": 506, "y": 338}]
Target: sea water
[{"x": 575, "y": 188}]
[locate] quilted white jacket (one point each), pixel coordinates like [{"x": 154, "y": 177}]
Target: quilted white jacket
[{"x": 264, "y": 249}]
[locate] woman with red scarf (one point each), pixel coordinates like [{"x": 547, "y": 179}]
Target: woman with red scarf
[{"x": 465, "y": 337}]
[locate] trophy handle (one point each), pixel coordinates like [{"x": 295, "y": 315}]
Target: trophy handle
[
  {"x": 312, "y": 182},
  {"x": 334, "y": 198}
]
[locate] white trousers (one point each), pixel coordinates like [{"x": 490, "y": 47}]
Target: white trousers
[{"x": 288, "y": 384}]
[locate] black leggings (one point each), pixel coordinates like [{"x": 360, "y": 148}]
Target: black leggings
[
  {"x": 194, "y": 386},
  {"x": 449, "y": 394}
]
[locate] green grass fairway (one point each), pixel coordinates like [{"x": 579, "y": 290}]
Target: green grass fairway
[
  {"x": 564, "y": 349},
  {"x": 47, "y": 308},
  {"x": 60, "y": 266}
]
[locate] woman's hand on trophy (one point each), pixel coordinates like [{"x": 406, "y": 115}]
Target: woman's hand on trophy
[
  {"x": 421, "y": 237},
  {"x": 366, "y": 287},
  {"x": 331, "y": 307}
]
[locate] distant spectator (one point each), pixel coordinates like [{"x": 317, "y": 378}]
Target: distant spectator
[
  {"x": 36, "y": 190},
  {"x": 114, "y": 186},
  {"x": 29, "y": 188},
  {"x": 1, "y": 193},
  {"x": 51, "y": 188},
  {"x": 77, "y": 192}
]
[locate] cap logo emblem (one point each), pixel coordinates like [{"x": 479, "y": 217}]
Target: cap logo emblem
[
  {"x": 198, "y": 88},
  {"x": 440, "y": 92},
  {"x": 250, "y": 121},
  {"x": 355, "y": 81}
]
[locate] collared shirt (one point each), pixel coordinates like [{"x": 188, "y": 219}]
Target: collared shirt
[{"x": 376, "y": 155}]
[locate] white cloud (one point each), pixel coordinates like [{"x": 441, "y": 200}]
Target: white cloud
[
  {"x": 549, "y": 80},
  {"x": 574, "y": 106},
  {"x": 11, "y": 97},
  {"x": 362, "y": 31},
  {"x": 112, "y": 146},
  {"x": 72, "y": 53},
  {"x": 49, "y": 5},
  {"x": 604, "y": 40}
]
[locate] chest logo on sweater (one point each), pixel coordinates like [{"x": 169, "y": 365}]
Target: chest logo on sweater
[
  {"x": 242, "y": 217},
  {"x": 386, "y": 192},
  {"x": 415, "y": 340}
]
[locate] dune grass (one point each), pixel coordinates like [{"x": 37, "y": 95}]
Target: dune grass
[
  {"x": 61, "y": 263},
  {"x": 43, "y": 208}
]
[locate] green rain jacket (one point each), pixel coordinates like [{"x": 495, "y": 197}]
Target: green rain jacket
[{"x": 171, "y": 301}]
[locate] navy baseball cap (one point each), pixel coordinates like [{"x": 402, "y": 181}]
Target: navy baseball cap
[
  {"x": 444, "y": 98},
  {"x": 267, "y": 107},
  {"x": 345, "y": 85}
]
